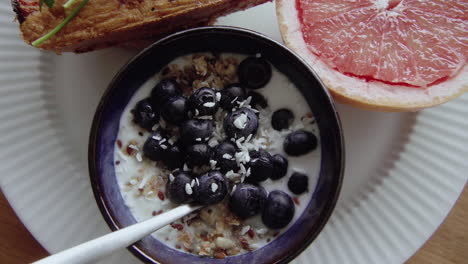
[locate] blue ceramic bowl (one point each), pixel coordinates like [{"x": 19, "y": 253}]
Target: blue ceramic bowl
[{"x": 217, "y": 39}]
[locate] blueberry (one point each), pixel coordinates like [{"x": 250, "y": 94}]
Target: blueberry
[
  {"x": 174, "y": 157},
  {"x": 258, "y": 101},
  {"x": 197, "y": 155},
  {"x": 231, "y": 94},
  {"x": 212, "y": 188},
  {"x": 278, "y": 210},
  {"x": 164, "y": 90},
  {"x": 261, "y": 166},
  {"x": 247, "y": 200},
  {"x": 145, "y": 115},
  {"x": 240, "y": 123},
  {"x": 196, "y": 130},
  {"x": 175, "y": 110},
  {"x": 280, "y": 166},
  {"x": 299, "y": 142},
  {"x": 176, "y": 188},
  {"x": 298, "y": 183},
  {"x": 224, "y": 155},
  {"x": 203, "y": 101},
  {"x": 155, "y": 147},
  {"x": 254, "y": 72},
  {"x": 282, "y": 119}
]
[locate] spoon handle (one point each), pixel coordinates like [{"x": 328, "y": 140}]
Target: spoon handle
[{"x": 103, "y": 246}]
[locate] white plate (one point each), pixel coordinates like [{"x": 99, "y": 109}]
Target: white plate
[{"x": 404, "y": 171}]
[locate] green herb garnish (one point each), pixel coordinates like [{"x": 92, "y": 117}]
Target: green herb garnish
[
  {"x": 49, "y": 3},
  {"x": 69, "y": 3},
  {"x": 54, "y": 31}
]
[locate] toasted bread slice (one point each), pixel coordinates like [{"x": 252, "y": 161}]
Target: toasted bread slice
[{"x": 104, "y": 23}]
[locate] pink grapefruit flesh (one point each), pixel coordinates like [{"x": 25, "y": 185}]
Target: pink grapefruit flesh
[{"x": 405, "y": 42}]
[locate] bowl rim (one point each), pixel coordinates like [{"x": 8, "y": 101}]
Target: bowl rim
[{"x": 93, "y": 138}]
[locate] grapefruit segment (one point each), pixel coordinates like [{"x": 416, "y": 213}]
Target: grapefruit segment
[
  {"x": 447, "y": 29},
  {"x": 326, "y": 37},
  {"x": 360, "y": 55},
  {"x": 395, "y": 41},
  {"x": 448, "y": 8},
  {"x": 433, "y": 59},
  {"x": 396, "y": 59},
  {"x": 316, "y": 11}
]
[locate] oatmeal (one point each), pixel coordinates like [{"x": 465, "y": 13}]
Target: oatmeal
[{"x": 222, "y": 130}]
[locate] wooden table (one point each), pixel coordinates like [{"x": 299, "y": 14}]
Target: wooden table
[{"x": 449, "y": 245}]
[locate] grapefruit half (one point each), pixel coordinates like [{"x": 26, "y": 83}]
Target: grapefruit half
[{"x": 388, "y": 55}]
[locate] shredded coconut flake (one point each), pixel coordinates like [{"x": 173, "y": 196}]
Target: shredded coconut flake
[
  {"x": 245, "y": 229},
  {"x": 227, "y": 156},
  {"x": 232, "y": 175},
  {"x": 198, "y": 183},
  {"x": 261, "y": 231},
  {"x": 198, "y": 139},
  {"x": 143, "y": 183},
  {"x": 213, "y": 163},
  {"x": 138, "y": 157},
  {"x": 133, "y": 181},
  {"x": 188, "y": 189},
  {"x": 242, "y": 169},
  {"x": 171, "y": 177},
  {"x": 254, "y": 246},
  {"x": 186, "y": 168},
  {"x": 248, "y": 100},
  {"x": 197, "y": 112},
  {"x": 218, "y": 96},
  {"x": 192, "y": 183},
  {"x": 209, "y": 104},
  {"x": 147, "y": 196},
  {"x": 163, "y": 146},
  {"x": 214, "y": 187},
  {"x": 213, "y": 142},
  {"x": 235, "y": 99},
  {"x": 156, "y": 137},
  {"x": 133, "y": 147},
  {"x": 241, "y": 121},
  {"x": 233, "y": 189},
  {"x": 245, "y": 103}
]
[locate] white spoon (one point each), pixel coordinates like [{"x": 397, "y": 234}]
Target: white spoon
[{"x": 103, "y": 246}]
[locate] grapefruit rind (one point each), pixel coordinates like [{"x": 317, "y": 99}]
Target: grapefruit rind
[{"x": 371, "y": 95}]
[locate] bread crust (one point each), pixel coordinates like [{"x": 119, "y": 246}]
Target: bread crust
[
  {"x": 105, "y": 23},
  {"x": 359, "y": 93}
]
